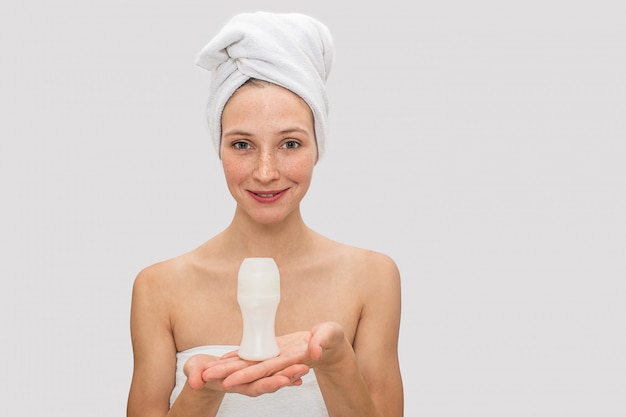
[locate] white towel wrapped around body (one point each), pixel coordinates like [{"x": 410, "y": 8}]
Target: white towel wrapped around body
[{"x": 292, "y": 50}]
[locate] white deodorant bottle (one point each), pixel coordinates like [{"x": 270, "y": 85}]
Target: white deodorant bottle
[{"x": 258, "y": 294}]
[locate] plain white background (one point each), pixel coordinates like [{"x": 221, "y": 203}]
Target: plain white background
[{"x": 480, "y": 144}]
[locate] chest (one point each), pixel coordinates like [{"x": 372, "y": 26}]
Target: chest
[{"x": 209, "y": 313}]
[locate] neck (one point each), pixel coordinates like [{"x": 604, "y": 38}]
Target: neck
[{"x": 280, "y": 240}]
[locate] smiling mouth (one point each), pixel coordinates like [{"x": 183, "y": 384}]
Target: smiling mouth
[{"x": 267, "y": 196}]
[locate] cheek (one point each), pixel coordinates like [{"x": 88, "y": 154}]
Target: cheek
[
  {"x": 233, "y": 171},
  {"x": 300, "y": 169}
]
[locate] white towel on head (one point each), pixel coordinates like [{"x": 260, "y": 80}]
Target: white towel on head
[{"x": 292, "y": 50}]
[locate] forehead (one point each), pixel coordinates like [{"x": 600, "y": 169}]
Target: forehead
[
  {"x": 264, "y": 101},
  {"x": 259, "y": 88}
]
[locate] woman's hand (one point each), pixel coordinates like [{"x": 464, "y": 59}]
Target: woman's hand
[
  {"x": 193, "y": 370},
  {"x": 321, "y": 347},
  {"x": 197, "y": 365}
]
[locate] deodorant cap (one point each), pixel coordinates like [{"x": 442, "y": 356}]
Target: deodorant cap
[{"x": 258, "y": 277}]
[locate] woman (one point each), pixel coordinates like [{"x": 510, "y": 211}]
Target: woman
[{"x": 339, "y": 312}]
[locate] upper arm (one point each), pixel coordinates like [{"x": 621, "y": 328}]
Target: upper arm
[
  {"x": 376, "y": 340},
  {"x": 154, "y": 351}
]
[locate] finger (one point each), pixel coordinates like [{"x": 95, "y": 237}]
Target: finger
[
  {"x": 294, "y": 372},
  {"x": 222, "y": 368},
  {"x": 199, "y": 361},
  {"x": 261, "y": 386},
  {"x": 226, "y": 359},
  {"x": 324, "y": 336},
  {"x": 194, "y": 378},
  {"x": 264, "y": 370},
  {"x": 193, "y": 369},
  {"x": 248, "y": 374},
  {"x": 232, "y": 354},
  {"x": 315, "y": 350}
]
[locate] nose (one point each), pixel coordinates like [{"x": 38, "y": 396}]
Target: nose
[{"x": 266, "y": 169}]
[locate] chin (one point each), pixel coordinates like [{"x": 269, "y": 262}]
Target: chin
[
  {"x": 270, "y": 217},
  {"x": 268, "y": 220}
]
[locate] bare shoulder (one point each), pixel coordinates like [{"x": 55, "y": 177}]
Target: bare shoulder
[
  {"x": 381, "y": 274},
  {"x": 368, "y": 263},
  {"x": 371, "y": 274},
  {"x": 380, "y": 263},
  {"x": 162, "y": 280},
  {"x": 159, "y": 274}
]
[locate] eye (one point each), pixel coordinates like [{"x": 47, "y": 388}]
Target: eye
[
  {"x": 241, "y": 145},
  {"x": 291, "y": 144}
]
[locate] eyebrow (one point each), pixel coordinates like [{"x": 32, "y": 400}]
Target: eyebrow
[
  {"x": 292, "y": 130},
  {"x": 237, "y": 133},
  {"x": 282, "y": 132}
]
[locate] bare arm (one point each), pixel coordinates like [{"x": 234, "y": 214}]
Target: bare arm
[
  {"x": 154, "y": 353},
  {"x": 366, "y": 381}
]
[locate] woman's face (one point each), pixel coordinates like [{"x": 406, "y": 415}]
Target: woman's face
[{"x": 268, "y": 150}]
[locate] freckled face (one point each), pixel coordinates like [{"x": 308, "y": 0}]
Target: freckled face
[{"x": 268, "y": 151}]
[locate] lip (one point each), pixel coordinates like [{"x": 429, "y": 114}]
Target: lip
[{"x": 268, "y": 196}]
